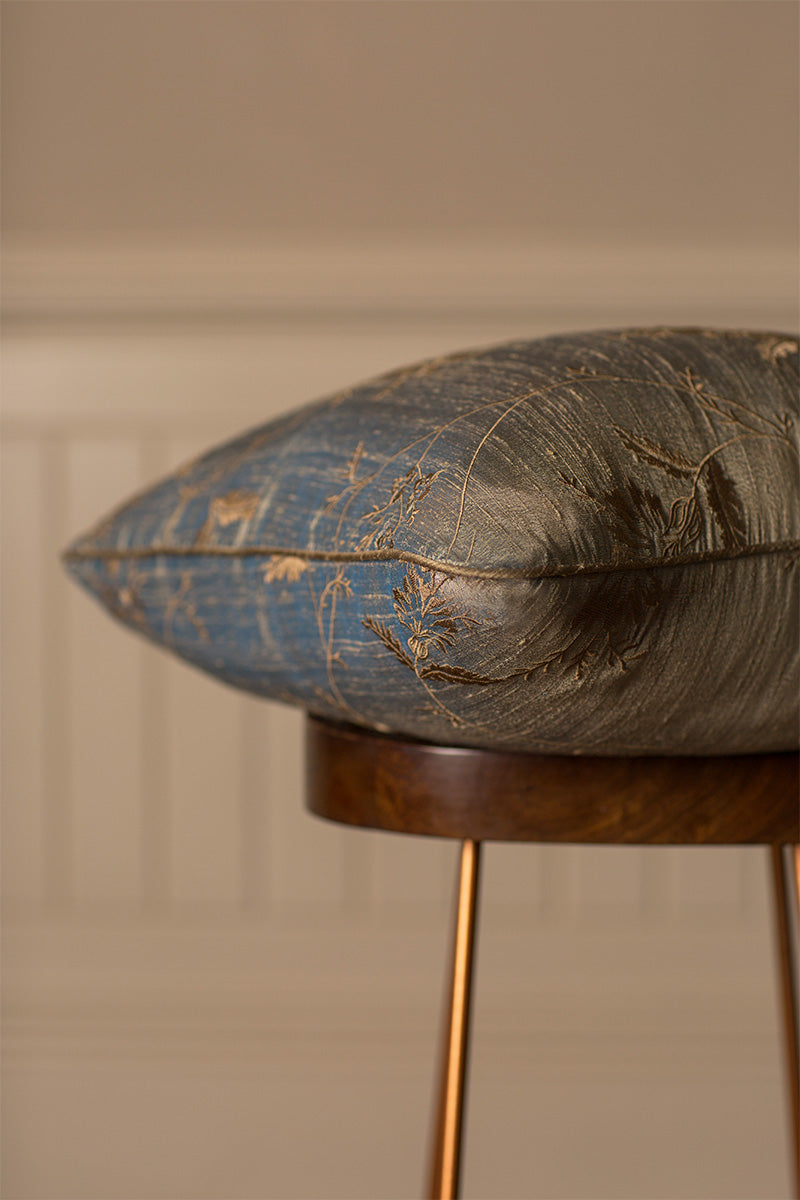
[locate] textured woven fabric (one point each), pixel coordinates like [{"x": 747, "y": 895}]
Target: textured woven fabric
[{"x": 581, "y": 544}]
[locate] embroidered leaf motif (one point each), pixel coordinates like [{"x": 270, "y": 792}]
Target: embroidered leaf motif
[
  {"x": 726, "y": 506},
  {"x": 284, "y": 566},
  {"x": 352, "y": 467},
  {"x": 608, "y": 622},
  {"x": 606, "y": 626},
  {"x": 385, "y": 634},
  {"x": 775, "y": 348},
  {"x": 657, "y": 456},
  {"x": 227, "y": 510},
  {"x": 637, "y": 516},
  {"x": 442, "y": 672},
  {"x": 684, "y": 525},
  {"x": 339, "y": 585},
  {"x": 124, "y": 602},
  {"x": 431, "y": 625},
  {"x": 450, "y": 674},
  {"x": 426, "y": 615},
  {"x": 180, "y": 605},
  {"x": 234, "y": 506},
  {"x": 405, "y": 497}
]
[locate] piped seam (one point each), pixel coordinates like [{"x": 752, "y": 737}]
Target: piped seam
[{"x": 424, "y": 561}]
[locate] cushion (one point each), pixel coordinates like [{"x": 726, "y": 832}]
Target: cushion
[{"x": 583, "y": 544}]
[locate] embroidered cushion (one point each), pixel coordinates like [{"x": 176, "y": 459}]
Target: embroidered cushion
[{"x": 585, "y": 544}]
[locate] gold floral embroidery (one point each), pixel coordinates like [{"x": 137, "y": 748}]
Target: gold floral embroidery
[
  {"x": 124, "y": 602},
  {"x": 226, "y": 510},
  {"x": 430, "y": 626},
  {"x": 645, "y": 451},
  {"x": 684, "y": 522},
  {"x": 179, "y": 603},
  {"x": 234, "y": 506},
  {"x": 401, "y": 508},
  {"x": 605, "y": 619},
  {"x": 774, "y": 348},
  {"x": 725, "y": 506},
  {"x": 426, "y": 615},
  {"x": 284, "y": 566},
  {"x": 325, "y": 605}
]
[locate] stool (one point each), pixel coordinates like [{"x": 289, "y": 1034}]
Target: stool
[{"x": 385, "y": 782}]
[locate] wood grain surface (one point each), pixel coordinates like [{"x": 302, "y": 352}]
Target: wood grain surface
[{"x": 369, "y": 779}]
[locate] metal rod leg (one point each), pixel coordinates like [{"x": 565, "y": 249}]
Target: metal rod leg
[
  {"x": 786, "y": 878},
  {"x": 446, "y": 1163}
]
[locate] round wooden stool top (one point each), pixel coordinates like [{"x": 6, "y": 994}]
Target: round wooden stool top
[{"x": 378, "y": 781}]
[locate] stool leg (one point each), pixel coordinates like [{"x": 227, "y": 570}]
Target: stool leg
[
  {"x": 786, "y": 878},
  {"x": 446, "y": 1162}
]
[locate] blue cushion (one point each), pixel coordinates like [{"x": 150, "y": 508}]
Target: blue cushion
[{"x": 585, "y": 544}]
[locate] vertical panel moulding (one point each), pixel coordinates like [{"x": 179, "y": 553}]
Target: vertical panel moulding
[
  {"x": 105, "y": 699},
  {"x": 413, "y": 876},
  {"x": 513, "y": 884},
  {"x": 756, "y": 887},
  {"x": 610, "y": 882},
  {"x": 58, "y": 657},
  {"x": 255, "y": 818},
  {"x": 204, "y": 780},
  {"x": 154, "y": 814},
  {"x": 708, "y": 881},
  {"x": 22, "y": 646},
  {"x": 358, "y": 874},
  {"x": 154, "y": 821},
  {"x": 560, "y": 882},
  {"x": 656, "y": 883},
  {"x": 203, "y": 775},
  {"x": 307, "y": 856}
]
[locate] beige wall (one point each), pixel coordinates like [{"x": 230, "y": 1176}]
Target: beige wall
[
  {"x": 587, "y": 117},
  {"x": 214, "y": 211}
]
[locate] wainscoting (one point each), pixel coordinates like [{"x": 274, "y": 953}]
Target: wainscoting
[{"x": 209, "y": 995}]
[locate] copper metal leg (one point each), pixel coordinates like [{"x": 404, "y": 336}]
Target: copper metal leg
[
  {"x": 446, "y": 1163},
  {"x": 786, "y": 877}
]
